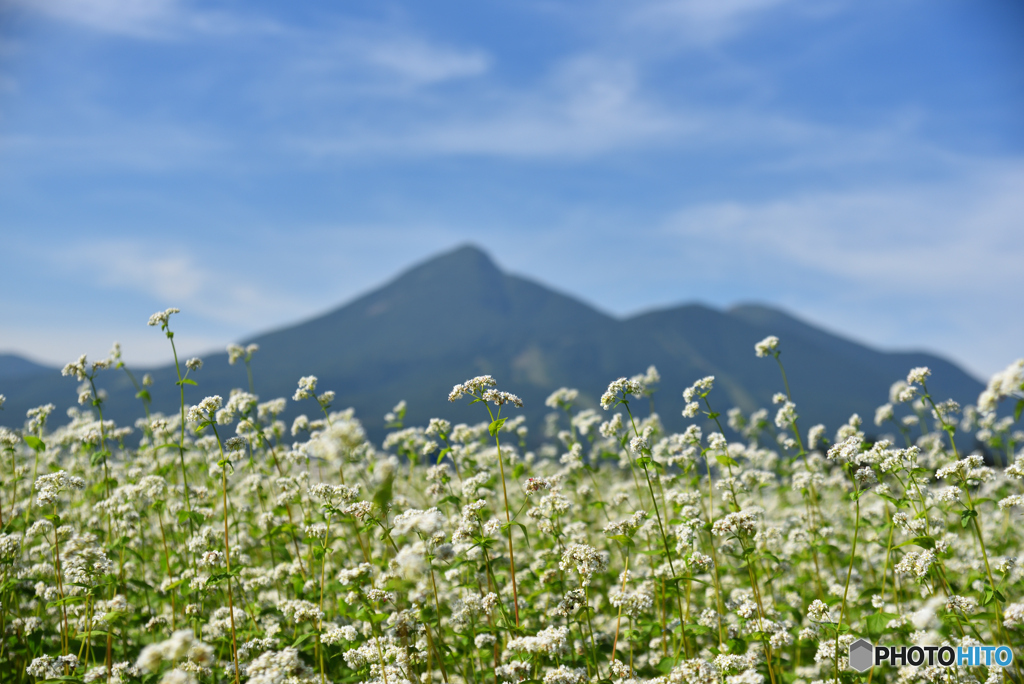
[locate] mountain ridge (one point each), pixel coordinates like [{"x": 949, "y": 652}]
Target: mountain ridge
[{"x": 458, "y": 314}]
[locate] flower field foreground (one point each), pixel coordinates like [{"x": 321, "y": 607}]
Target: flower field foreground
[{"x": 231, "y": 547}]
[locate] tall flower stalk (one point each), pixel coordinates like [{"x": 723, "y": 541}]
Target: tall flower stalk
[{"x": 478, "y": 388}]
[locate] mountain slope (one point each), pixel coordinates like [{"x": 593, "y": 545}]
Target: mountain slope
[{"x": 458, "y": 315}]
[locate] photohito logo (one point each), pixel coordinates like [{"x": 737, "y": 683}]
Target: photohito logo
[{"x": 864, "y": 655}]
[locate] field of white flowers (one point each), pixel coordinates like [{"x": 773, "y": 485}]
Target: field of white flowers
[{"x": 219, "y": 544}]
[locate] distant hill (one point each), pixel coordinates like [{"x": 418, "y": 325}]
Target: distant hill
[
  {"x": 13, "y": 366},
  {"x": 458, "y": 315}
]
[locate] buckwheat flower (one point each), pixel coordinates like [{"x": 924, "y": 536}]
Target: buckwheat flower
[
  {"x": 1012, "y": 500},
  {"x": 307, "y": 388},
  {"x": 961, "y": 467},
  {"x": 744, "y": 522},
  {"x": 846, "y": 451},
  {"x": 8, "y": 438},
  {"x": 767, "y": 346},
  {"x": 212, "y": 559},
  {"x": 45, "y": 667},
  {"x": 786, "y": 415},
  {"x": 160, "y": 317},
  {"x": 883, "y": 413},
  {"x": 425, "y": 522},
  {"x": 316, "y": 531},
  {"x": 717, "y": 441},
  {"x": 205, "y": 410},
  {"x": 536, "y": 484},
  {"x": 358, "y": 509},
  {"x": 472, "y": 387},
  {"x": 950, "y": 495},
  {"x": 818, "y": 611},
  {"x": 638, "y": 445},
  {"x": 917, "y": 376},
  {"x": 501, "y": 398},
  {"x": 699, "y": 388},
  {"x": 574, "y": 457},
  {"x": 1013, "y": 615},
  {"x": 1004, "y": 383},
  {"x": 691, "y": 410},
  {"x": 49, "y": 486},
  {"x": 694, "y": 671},
  {"x": 961, "y": 604},
  {"x": 76, "y": 369},
  {"x": 562, "y": 397},
  {"x": 621, "y": 388},
  {"x": 564, "y": 674},
  {"x": 700, "y": 561},
  {"x": 915, "y": 563},
  {"x": 552, "y": 641},
  {"x": 194, "y": 364},
  {"x": 585, "y": 559},
  {"x": 300, "y": 611}
]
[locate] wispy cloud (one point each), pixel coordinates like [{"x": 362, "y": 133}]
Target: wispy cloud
[
  {"x": 908, "y": 237},
  {"x": 172, "y": 276},
  {"x": 135, "y": 18},
  {"x": 149, "y": 19}
]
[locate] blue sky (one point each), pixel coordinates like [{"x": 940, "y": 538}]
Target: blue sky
[{"x": 858, "y": 163}]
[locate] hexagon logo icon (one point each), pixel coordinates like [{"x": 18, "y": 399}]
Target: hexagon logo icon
[{"x": 862, "y": 655}]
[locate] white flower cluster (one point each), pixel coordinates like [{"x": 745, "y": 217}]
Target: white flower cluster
[
  {"x": 473, "y": 387},
  {"x": 767, "y": 347},
  {"x": 205, "y": 410},
  {"x": 553, "y": 641},
  {"x": 161, "y": 317},
  {"x": 1008, "y": 381},
  {"x": 48, "y": 487},
  {"x": 619, "y": 389},
  {"x": 237, "y": 351},
  {"x": 562, "y": 398},
  {"x": 585, "y": 559}
]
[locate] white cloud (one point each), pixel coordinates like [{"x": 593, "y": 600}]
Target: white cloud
[
  {"x": 704, "y": 23},
  {"x": 939, "y": 263},
  {"x": 896, "y": 237},
  {"x": 174, "y": 277},
  {"x": 585, "y": 106},
  {"x": 136, "y": 18},
  {"x": 422, "y": 62},
  {"x": 149, "y": 19}
]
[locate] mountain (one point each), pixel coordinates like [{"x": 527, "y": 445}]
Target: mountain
[
  {"x": 458, "y": 315},
  {"x": 13, "y": 367}
]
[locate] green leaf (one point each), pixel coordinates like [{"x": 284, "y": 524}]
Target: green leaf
[
  {"x": 143, "y": 395},
  {"x": 1018, "y": 409},
  {"x": 518, "y": 471},
  {"x": 923, "y": 542},
  {"x": 382, "y": 497},
  {"x": 965, "y": 516},
  {"x": 878, "y": 621},
  {"x": 34, "y": 442},
  {"x": 186, "y": 381},
  {"x": 302, "y": 638},
  {"x": 495, "y": 426},
  {"x": 507, "y": 526},
  {"x": 196, "y": 517},
  {"x": 726, "y": 460},
  {"x": 444, "y": 452},
  {"x": 622, "y": 539}
]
